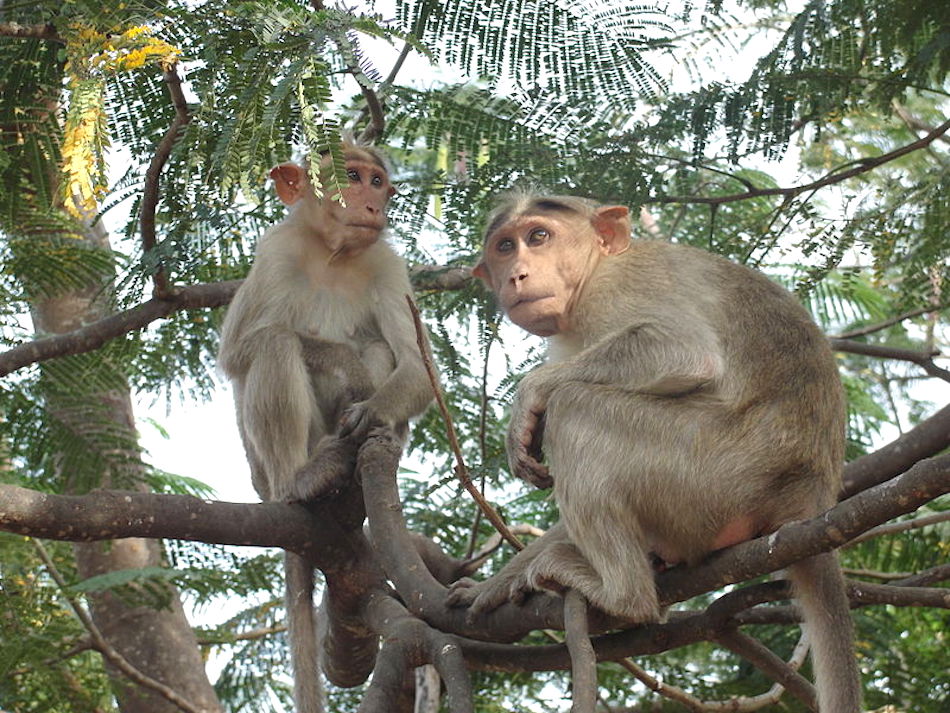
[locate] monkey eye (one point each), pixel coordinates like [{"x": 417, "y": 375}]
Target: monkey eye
[
  {"x": 377, "y": 180},
  {"x": 353, "y": 175},
  {"x": 505, "y": 245},
  {"x": 538, "y": 236}
]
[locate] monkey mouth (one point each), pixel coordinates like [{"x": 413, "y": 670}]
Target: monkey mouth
[{"x": 528, "y": 300}]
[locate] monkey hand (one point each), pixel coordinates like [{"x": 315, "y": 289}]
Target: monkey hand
[
  {"x": 526, "y": 431},
  {"x": 524, "y": 450},
  {"x": 359, "y": 419}
]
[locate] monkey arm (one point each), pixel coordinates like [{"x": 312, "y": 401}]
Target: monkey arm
[
  {"x": 651, "y": 358},
  {"x": 406, "y": 391}
]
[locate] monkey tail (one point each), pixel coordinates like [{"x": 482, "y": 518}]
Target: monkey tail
[
  {"x": 302, "y": 629},
  {"x": 819, "y": 587}
]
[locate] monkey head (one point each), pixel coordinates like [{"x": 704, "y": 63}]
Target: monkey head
[
  {"x": 539, "y": 252},
  {"x": 352, "y": 223}
]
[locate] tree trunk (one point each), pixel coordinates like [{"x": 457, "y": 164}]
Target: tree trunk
[{"x": 158, "y": 642}]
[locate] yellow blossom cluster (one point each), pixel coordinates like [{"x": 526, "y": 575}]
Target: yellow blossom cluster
[{"x": 91, "y": 56}]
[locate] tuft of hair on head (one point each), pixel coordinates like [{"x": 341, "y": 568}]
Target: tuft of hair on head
[{"x": 531, "y": 200}]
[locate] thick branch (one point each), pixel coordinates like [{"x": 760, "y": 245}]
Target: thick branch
[
  {"x": 93, "y": 336},
  {"x": 863, "y": 166},
  {"x": 112, "y": 514},
  {"x": 794, "y": 541},
  {"x": 104, "y": 515},
  {"x": 924, "y": 440},
  {"x": 214, "y": 294},
  {"x": 42, "y": 31}
]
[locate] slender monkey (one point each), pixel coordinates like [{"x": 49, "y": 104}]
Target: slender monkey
[
  {"x": 320, "y": 347},
  {"x": 687, "y": 404}
]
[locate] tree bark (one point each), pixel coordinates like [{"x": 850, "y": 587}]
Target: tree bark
[{"x": 159, "y": 643}]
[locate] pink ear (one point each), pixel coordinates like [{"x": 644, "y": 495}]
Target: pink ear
[
  {"x": 612, "y": 224},
  {"x": 481, "y": 272},
  {"x": 289, "y": 182}
]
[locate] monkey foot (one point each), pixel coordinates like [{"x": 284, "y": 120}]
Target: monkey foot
[{"x": 328, "y": 472}]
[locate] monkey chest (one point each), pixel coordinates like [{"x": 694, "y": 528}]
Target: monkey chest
[{"x": 335, "y": 315}]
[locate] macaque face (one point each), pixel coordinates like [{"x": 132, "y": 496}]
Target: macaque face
[
  {"x": 537, "y": 266},
  {"x": 358, "y": 221},
  {"x": 344, "y": 228}
]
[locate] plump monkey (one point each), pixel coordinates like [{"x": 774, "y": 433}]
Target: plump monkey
[
  {"x": 320, "y": 347},
  {"x": 688, "y": 404}
]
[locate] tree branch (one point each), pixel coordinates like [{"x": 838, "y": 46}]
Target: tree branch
[
  {"x": 41, "y": 31},
  {"x": 863, "y": 166},
  {"x": 893, "y": 528},
  {"x": 923, "y": 359},
  {"x": 896, "y": 319},
  {"x": 93, "y": 336},
  {"x": 112, "y": 514},
  {"x": 460, "y": 468},
  {"x": 102, "y": 515},
  {"x": 927, "y": 438},
  {"x": 771, "y": 665},
  {"x": 152, "y": 174},
  {"x": 794, "y": 541},
  {"x": 202, "y": 296},
  {"x": 103, "y": 647}
]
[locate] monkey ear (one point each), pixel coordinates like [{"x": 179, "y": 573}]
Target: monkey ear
[
  {"x": 289, "y": 182},
  {"x": 612, "y": 224},
  {"x": 481, "y": 272}
]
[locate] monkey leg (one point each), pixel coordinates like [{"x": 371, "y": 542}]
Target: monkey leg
[
  {"x": 277, "y": 411},
  {"x": 625, "y": 474},
  {"x": 511, "y": 584}
]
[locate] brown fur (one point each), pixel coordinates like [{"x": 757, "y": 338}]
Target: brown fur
[{"x": 688, "y": 403}]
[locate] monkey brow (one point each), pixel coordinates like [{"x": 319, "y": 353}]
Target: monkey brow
[{"x": 534, "y": 207}]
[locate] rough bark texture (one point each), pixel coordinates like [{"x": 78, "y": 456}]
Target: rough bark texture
[{"x": 159, "y": 643}]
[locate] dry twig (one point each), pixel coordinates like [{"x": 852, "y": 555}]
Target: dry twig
[
  {"x": 460, "y": 469},
  {"x": 103, "y": 647}
]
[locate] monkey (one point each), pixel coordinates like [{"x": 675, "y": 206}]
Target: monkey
[
  {"x": 687, "y": 404},
  {"x": 320, "y": 348}
]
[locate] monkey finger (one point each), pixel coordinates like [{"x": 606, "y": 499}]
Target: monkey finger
[
  {"x": 527, "y": 468},
  {"x": 461, "y": 593}
]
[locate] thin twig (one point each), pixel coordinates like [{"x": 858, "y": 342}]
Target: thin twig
[
  {"x": 583, "y": 660},
  {"x": 892, "y": 528},
  {"x": 432, "y": 278},
  {"x": 873, "y": 574},
  {"x": 460, "y": 469},
  {"x": 863, "y": 166},
  {"x": 104, "y": 647},
  {"x": 871, "y": 328},
  {"x": 482, "y": 438},
  {"x": 475, "y": 560},
  {"x": 741, "y": 704},
  {"x": 771, "y": 665},
  {"x": 922, "y": 359},
  {"x": 377, "y": 123},
  {"x": 152, "y": 175}
]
